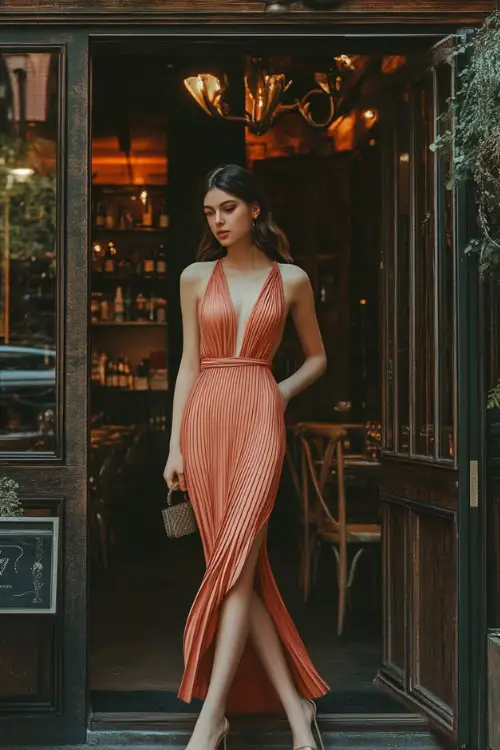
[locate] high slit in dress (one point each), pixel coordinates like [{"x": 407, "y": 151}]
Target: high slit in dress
[{"x": 233, "y": 445}]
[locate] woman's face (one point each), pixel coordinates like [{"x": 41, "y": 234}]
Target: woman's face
[{"x": 229, "y": 218}]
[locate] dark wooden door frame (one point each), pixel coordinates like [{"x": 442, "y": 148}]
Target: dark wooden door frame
[{"x": 58, "y": 483}]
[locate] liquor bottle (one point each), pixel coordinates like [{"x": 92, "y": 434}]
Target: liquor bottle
[
  {"x": 141, "y": 378},
  {"x": 100, "y": 215},
  {"x": 151, "y": 308},
  {"x": 163, "y": 220},
  {"x": 122, "y": 219},
  {"x": 119, "y": 305},
  {"x": 147, "y": 211},
  {"x": 161, "y": 310},
  {"x": 122, "y": 375},
  {"x": 104, "y": 308},
  {"x": 128, "y": 305},
  {"x": 109, "y": 259},
  {"x": 140, "y": 304},
  {"x": 148, "y": 266},
  {"x": 110, "y": 373},
  {"x": 128, "y": 374},
  {"x": 114, "y": 375},
  {"x": 161, "y": 262},
  {"x": 103, "y": 368},
  {"x": 109, "y": 219}
]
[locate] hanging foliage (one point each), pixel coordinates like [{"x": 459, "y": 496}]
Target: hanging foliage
[{"x": 472, "y": 136}]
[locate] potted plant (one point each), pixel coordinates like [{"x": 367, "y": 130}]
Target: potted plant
[
  {"x": 10, "y": 505},
  {"x": 471, "y": 135}
]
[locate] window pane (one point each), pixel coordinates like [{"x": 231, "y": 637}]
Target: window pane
[
  {"x": 403, "y": 274},
  {"x": 424, "y": 272},
  {"x": 446, "y": 247},
  {"x": 28, "y": 238},
  {"x": 388, "y": 309}
]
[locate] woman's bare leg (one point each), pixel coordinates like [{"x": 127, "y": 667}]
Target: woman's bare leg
[
  {"x": 232, "y": 635},
  {"x": 268, "y": 646}
]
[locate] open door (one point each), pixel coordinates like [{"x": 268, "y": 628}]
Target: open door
[
  {"x": 430, "y": 423},
  {"x": 43, "y": 383}
]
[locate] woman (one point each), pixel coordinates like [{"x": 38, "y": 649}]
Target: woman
[{"x": 242, "y": 652}]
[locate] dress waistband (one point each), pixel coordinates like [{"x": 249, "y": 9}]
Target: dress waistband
[{"x": 233, "y": 362}]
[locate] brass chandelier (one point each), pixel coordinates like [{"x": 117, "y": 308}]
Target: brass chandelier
[{"x": 264, "y": 92}]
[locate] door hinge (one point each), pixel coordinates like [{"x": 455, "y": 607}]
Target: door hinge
[{"x": 473, "y": 484}]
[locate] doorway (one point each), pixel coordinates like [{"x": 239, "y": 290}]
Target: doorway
[{"x": 152, "y": 145}]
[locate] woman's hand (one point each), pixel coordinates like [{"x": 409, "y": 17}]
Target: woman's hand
[
  {"x": 284, "y": 395},
  {"x": 174, "y": 469}
]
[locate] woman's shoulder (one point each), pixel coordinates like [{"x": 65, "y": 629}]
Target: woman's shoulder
[
  {"x": 292, "y": 274},
  {"x": 198, "y": 271}
]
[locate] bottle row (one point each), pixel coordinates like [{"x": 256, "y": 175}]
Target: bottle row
[
  {"x": 118, "y": 373},
  {"x": 124, "y": 308},
  {"x": 147, "y": 265},
  {"x": 140, "y": 213}
]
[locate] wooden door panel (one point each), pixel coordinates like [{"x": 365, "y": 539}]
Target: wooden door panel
[
  {"x": 433, "y": 601},
  {"x": 420, "y": 477},
  {"x": 395, "y": 523}
]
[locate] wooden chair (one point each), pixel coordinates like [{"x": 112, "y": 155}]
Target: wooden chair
[
  {"x": 338, "y": 532},
  {"x": 323, "y": 438}
]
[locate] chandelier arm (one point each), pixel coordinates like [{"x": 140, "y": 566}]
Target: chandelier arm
[
  {"x": 237, "y": 118},
  {"x": 288, "y": 107},
  {"x": 303, "y": 106}
]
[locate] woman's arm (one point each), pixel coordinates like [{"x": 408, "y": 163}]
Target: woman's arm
[
  {"x": 303, "y": 312},
  {"x": 188, "y": 370}
]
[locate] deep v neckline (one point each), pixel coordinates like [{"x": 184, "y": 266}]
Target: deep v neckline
[{"x": 237, "y": 353}]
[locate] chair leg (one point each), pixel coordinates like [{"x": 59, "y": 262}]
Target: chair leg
[
  {"x": 352, "y": 569},
  {"x": 341, "y": 556}
]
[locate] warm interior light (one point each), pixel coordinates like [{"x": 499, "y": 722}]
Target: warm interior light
[
  {"x": 204, "y": 88},
  {"x": 21, "y": 174},
  {"x": 404, "y": 158},
  {"x": 369, "y": 114},
  {"x": 345, "y": 61}
]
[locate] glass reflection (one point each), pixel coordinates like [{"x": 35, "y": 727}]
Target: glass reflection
[
  {"x": 28, "y": 186},
  {"x": 424, "y": 429},
  {"x": 403, "y": 280},
  {"x": 446, "y": 298}
]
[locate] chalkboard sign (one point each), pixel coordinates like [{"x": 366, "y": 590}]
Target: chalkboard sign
[{"x": 28, "y": 565}]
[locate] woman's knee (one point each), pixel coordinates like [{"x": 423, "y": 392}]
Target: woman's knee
[{"x": 245, "y": 581}]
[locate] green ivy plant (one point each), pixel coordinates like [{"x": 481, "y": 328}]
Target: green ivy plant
[
  {"x": 10, "y": 505},
  {"x": 32, "y": 203},
  {"x": 471, "y": 134}
]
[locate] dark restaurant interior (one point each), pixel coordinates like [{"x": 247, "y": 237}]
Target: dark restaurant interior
[{"x": 152, "y": 144}]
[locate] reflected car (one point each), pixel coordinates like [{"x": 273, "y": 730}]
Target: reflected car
[{"x": 27, "y": 397}]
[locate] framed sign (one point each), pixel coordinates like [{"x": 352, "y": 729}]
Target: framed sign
[{"x": 29, "y": 550}]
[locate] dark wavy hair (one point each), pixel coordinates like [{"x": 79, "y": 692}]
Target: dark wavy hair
[{"x": 238, "y": 181}]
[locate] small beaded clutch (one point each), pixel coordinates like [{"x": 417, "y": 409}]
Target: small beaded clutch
[{"x": 179, "y": 519}]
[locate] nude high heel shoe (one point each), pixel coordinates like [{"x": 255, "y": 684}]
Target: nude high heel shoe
[
  {"x": 222, "y": 744},
  {"x": 316, "y": 732}
]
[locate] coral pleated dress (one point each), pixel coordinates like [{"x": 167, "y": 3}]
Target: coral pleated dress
[{"x": 233, "y": 444}]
